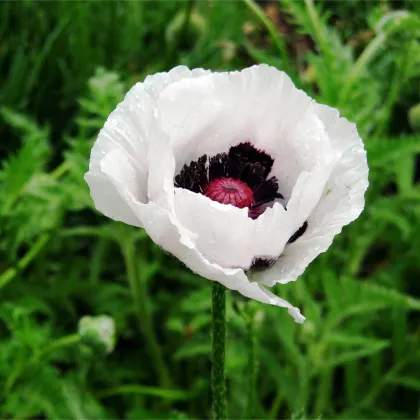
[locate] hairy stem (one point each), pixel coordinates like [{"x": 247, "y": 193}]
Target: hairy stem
[
  {"x": 9, "y": 274},
  {"x": 218, "y": 380}
]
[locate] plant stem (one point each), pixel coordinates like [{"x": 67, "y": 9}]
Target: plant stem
[
  {"x": 140, "y": 295},
  {"x": 361, "y": 63},
  {"x": 218, "y": 381},
  {"x": 65, "y": 341},
  {"x": 275, "y": 37},
  {"x": 9, "y": 274},
  {"x": 175, "y": 50},
  {"x": 252, "y": 370}
]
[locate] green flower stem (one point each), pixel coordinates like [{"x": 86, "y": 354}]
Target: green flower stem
[
  {"x": 181, "y": 36},
  {"x": 9, "y": 274},
  {"x": 277, "y": 40},
  {"x": 140, "y": 295},
  {"x": 218, "y": 380},
  {"x": 65, "y": 341},
  {"x": 252, "y": 369}
]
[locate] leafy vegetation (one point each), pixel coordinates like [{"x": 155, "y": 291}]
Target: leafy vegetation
[{"x": 63, "y": 67}]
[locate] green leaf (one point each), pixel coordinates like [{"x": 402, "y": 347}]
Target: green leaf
[
  {"x": 349, "y": 340},
  {"x": 348, "y": 356},
  {"x": 170, "y": 394},
  {"x": 409, "y": 382},
  {"x": 193, "y": 349},
  {"x": 381, "y": 153}
]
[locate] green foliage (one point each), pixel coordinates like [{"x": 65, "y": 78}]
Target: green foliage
[{"x": 357, "y": 354}]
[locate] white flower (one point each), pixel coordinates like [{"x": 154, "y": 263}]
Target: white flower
[{"x": 240, "y": 175}]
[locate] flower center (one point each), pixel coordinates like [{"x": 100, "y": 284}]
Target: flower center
[
  {"x": 240, "y": 178},
  {"x": 229, "y": 191}
]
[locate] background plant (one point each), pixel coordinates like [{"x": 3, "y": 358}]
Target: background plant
[{"x": 63, "y": 67}]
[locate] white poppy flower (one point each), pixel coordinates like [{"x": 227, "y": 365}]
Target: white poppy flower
[{"x": 240, "y": 175}]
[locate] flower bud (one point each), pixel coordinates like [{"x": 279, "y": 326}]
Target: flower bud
[
  {"x": 414, "y": 117},
  {"x": 98, "y": 332},
  {"x": 195, "y": 30}
]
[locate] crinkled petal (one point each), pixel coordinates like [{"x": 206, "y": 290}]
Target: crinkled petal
[
  {"x": 227, "y": 236},
  {"x": 130, "y": 128},
  {"x": 108, "y": 200},
  {"x": 342, "y": 200},
  {"x": 259, "y": 104},
  {"x": 258, "y": 292},
  {"x": 165, "y": 230}
]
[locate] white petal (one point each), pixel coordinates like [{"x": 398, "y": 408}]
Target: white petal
[
  {"x": 161, "y": 172},
  {"x": 166, "y": 231},
  {"x": 223, "y": 231},
  {"x": 108, "y": 200},
  {"x": 259, "y": 104},
  {"x": 294, "y": 260},
  {"x": 303, "y": 146},
  {"x": 344, "y": 197},
  {"x": 227, "y": 236},
  {"x": 130, "y": 128},
  {"x": 260, "y": 293},
  {"x": 340, "y": 204}
]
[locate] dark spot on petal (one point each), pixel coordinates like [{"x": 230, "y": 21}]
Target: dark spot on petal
[
  {"x": 260, "y": 263},
  {"x": 298, "y": 233}
]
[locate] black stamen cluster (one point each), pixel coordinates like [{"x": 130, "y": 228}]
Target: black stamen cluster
[
  {"x": 193, "y": 177},
  {"x": 243, "y": 162}
]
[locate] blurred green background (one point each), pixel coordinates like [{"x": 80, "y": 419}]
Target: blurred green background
[{"x": 64, "y": 65}]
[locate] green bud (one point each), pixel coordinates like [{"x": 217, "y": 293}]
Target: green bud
[
  {"x": 98, "y": 332},
  {"x": 194, "y": 33},
  {"x": 414, "y": 117}
]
